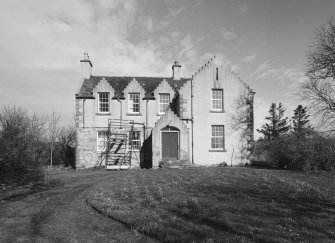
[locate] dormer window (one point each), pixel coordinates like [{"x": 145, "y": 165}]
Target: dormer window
[
  {"x": 164, "y": 101},
  {"x": 134, "y": 103},
  {"x": 103, "y": 102},
  {"x": 217, "y": 99}
]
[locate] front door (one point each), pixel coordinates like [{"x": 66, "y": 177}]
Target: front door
[{"x": 170, "y": 145}]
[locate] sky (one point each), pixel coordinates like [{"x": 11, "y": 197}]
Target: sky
[{"x": 43, "y": 41}]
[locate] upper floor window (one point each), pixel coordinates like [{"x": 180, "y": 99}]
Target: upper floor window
[
  {"x": 164, "y": 101},
  {"x": 216, "y": 73},
  {"x": 134, "y": 102},
  {"x": 217, "y": 138},
  {"x": 217, "y": 99},
  {"x": 103, "y": 102},
  {"x": 101, "y": 141}
]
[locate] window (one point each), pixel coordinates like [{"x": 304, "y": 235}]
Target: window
[
  {"x": 217, "y": 101},
  {"x": 217, "y": 139},
  {"x": 134, "y": 102},
  {"x": 216, "y": 74},
  {"x": 164, "y": 101},
  {"x": 135, "y": 137},
  {"x": 103, "y": 102},
  {"x": 101, "y": 141}
]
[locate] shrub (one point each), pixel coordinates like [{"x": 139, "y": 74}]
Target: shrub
[
  {"x": 313, "y": 153},
  {"x": 21, "y": 149}
]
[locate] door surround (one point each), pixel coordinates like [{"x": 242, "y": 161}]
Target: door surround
[{"x": 170, "y": 129}]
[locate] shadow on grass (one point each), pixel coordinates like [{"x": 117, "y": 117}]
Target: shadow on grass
[
  {"x": 17, "y": 193},
  {"x": 266, "y": 209},
  {"x": 243, "y": 205}
]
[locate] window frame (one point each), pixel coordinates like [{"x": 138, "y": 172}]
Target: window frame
[
  {"x": 101, "y": 142},
  {"x": 216, "y": 99},
  {"x": 103, "y": 102},
  {"x": 131, "y": 104},
  {"x": 162, "y": 111},
  {"x": 138, "y": 141},
  {"x": 217, "y": 136}
]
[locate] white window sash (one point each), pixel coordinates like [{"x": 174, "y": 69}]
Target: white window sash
[
  {"x": 164, "y": 101},
  {"x": 103, "y": 102},
  {"x": 217, "y": 99},
  {"x": 217, "y": 137},
  {"x": 132, "y": 103}
]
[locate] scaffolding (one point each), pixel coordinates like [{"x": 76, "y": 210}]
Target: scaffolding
[{"x": 118, "y": 148}]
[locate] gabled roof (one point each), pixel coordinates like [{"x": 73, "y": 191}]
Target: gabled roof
[{"x": 149, "y": 84}]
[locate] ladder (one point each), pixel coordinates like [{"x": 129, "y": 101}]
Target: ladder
[
  {"x": 117, "y": 152},
  {"x": 119, "y": 155}
]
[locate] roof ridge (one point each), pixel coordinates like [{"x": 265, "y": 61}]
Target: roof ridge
[
  {"x": 119, "y": 83},
  {"x": 128, "y": 76}
]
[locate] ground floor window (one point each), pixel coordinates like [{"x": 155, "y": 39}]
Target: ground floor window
[
  {"x": 101, "y": 140},
  {"x": 217, "y": 139},
  {"x": 135, "y": 138}
]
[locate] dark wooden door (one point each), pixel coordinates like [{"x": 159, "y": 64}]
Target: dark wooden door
[{"x": 170, "y": 145}]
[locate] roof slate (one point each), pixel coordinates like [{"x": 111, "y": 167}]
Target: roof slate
[{"x": 149, "y": 84}]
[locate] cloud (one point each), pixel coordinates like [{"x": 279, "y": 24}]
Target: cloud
[
  {"x": 175, "y": 34},
  {"x": 153, "y": 24},
  {"x": 249, "y": 58},
  {"x": 54, "y": 34},
  {"x": 45, "y": 41},
  {"x": 241, "y": 9},
  {"x": 227, "y": 34},
  {"x": 263, "y": 66},
  {"x": 288, "y": 75},
  {"x": 175, "y": 12}
]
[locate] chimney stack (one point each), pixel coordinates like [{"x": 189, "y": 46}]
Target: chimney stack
[
  {"x": 86, "y": 67},
  {"x": 176, "y": 70}
]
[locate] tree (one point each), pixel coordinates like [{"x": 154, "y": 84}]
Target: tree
[
  {"x": 52, "y": 132},
  {"x": 20, "y": 144},
  {"x": 301, "y": 126},
  {"x": 319, "y": 88},
  {"x": 277, "y": 125},
  {"x": 67, "y": 143}
]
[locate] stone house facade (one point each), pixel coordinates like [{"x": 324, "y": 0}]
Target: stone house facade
[{"x": 205, "y": 119}]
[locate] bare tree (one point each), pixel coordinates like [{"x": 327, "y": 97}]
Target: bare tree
[
  {"x": 319, "y": 89},
  {"x": 67, "y": 143},
  {"x": 37, "y": 129},
  {"x": 20, "y": 143},
  {"x": 52, "y": 132},
  {"x": 242, "y": 122}
]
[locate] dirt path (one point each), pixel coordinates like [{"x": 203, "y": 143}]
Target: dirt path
[{"x": 60, "y": 214}]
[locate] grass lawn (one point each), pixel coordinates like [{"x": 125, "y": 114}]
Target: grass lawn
[{"x": 218, "y": 204}]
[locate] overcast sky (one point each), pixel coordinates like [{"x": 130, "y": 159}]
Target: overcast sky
[{"x": 42, "y": 42}]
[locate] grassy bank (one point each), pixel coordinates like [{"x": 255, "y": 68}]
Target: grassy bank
[{"x": 218, "y": 204}]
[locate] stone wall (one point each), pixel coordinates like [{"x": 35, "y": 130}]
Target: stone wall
[{"x": 86, "y": 155}]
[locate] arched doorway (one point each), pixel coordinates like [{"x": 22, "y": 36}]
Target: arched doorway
[{"x": 170, "y": 143}]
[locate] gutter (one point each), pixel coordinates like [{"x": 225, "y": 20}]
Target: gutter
[
  {"x": 192, "y": 120},
  {"x": 84, "y": 113}
]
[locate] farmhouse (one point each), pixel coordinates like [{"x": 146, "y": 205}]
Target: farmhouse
[{"x": 143, "y": 121}]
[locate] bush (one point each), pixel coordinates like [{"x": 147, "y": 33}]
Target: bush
[
  {"x": 21, "y": 148},
  {"x": 319, "y": 153},
  {"x": 313, "y": 153}
]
